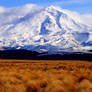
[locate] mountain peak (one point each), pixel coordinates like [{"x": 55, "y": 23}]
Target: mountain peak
[
  {"x": 36, "y": 28},
  {"x": 52, "y": 7}
]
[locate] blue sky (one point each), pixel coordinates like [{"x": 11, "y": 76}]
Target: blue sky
[{"x": 81, "y": 6}]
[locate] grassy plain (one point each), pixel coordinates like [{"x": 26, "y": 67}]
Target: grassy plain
[{"x": 45, "y": 76}]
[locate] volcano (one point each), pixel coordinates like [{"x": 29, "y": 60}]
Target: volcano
[{"x": 44, "y": 29}]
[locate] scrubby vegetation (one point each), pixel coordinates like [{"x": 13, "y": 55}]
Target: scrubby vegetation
[{"x": 45, "y": 76}]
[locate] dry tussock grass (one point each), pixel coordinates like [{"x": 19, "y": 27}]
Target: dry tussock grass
[{"x": 45, "y": 76}]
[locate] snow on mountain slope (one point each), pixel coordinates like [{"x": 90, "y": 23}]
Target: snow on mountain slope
[{"x": 42, "y": 29}]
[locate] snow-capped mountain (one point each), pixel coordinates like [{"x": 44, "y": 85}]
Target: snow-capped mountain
[{"x": 41, "y": 29}]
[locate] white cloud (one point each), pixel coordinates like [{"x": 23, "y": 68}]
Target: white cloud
[
  {"x": 88, "y": 19},
  {"x": 2, "y": 9}
]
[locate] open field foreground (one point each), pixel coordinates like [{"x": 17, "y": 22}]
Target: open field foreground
[{"x": 45, "y": 76}]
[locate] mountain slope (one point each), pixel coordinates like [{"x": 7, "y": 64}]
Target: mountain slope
[{"x": 43, "y": 29}]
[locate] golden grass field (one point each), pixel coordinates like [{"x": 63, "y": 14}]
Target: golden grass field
[{"x": 45, "y": 76}]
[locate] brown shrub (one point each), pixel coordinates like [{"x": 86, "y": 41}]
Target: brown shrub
[
  {"x": 56, "y": 86},
  {"x": 85, "y": 86}
]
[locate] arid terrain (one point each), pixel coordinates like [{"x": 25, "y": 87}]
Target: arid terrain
[{"x": 45, "y": 76}]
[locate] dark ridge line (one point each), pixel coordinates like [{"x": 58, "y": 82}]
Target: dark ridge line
[{"x": 33, "y": 55}]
